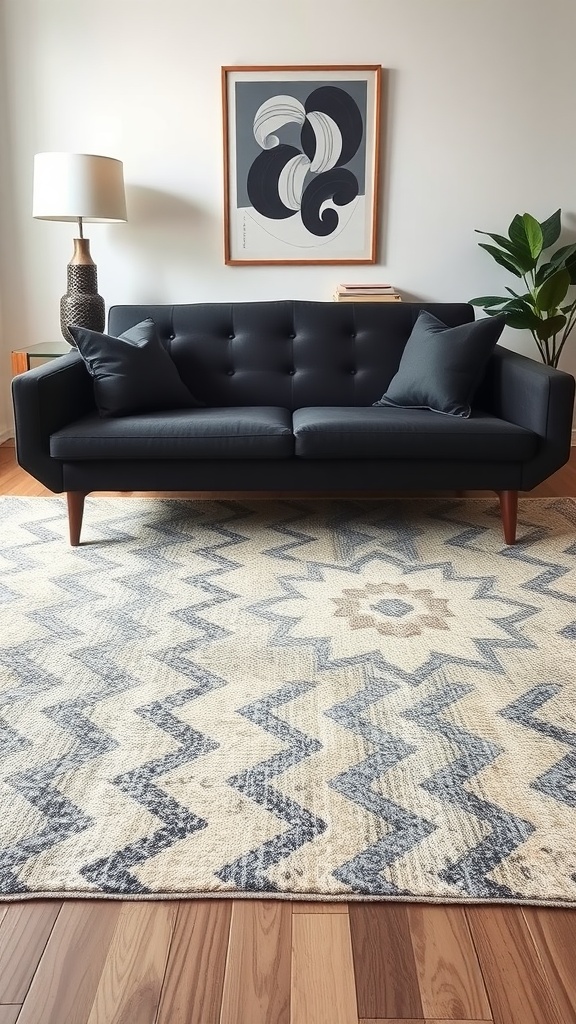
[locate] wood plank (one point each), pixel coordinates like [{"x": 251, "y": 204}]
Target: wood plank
[
  {"x": 257, "y": 977},
  {"x": 11, "y": 477},
  {"x": 24, "y": 932},
  {"x": 63, "y": 988},
  {"x": 9, "y": 1014},
  {"x": 303, "y": 907},
  {"x": 420, "y": 1020},
  {"x": 131, "y": 980},
  {"x": 449, "y": 975},
  {"x": 192, "y": 989},
  {"x": 30, "y": 488},
  {"x": 553, "y": 932},
  {"x": 387, "y": 983},
  {"x": 323, "y": 989},
  {"x": 17, "y": 483},
  {"x": 19, "y": 362},
  {"x": 517, "y": 986}
]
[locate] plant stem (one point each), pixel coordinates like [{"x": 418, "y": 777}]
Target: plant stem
[
  {"x": 530, "y": 287},
  {"x": 570, "y": 324},
  {"x": 549, "y": 355},
  {"x": 538, "y": 345}
]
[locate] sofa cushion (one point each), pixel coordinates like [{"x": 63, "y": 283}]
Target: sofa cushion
[
  {"x": 386, "y": 433},
  {"x": 441, "y": 367},
  {"x": 132, "y": 373},
  {"x": 238, "y": 433}
]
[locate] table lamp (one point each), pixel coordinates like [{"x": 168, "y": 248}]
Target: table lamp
[{"x": 79, "y": 187}]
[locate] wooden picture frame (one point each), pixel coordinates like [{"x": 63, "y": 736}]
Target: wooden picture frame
[{"x": 301, "y": 163}]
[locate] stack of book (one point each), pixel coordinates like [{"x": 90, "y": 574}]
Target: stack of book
[{"x": 366, "y": 293}]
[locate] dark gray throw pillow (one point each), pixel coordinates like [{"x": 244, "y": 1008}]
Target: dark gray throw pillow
[
  {"x": 133, "y": 373},
  {"x": 441, "y": 367}
]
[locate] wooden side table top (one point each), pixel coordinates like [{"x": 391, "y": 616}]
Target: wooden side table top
[{"x": 22, "y": 358}]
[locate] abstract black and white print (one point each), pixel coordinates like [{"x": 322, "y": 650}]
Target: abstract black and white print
[
  {"x": 296, "y": 181},
  {"x": 301, "y": 170}
]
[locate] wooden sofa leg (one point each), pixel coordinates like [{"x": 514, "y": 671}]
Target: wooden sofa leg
[
  {"x": 509, "y": 513},
  {"x": 75, "y": 512}
]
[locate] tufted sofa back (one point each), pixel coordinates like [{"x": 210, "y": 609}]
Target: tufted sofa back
[{"x": 288, "y": 353}]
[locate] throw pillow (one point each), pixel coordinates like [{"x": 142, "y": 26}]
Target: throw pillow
[
  {"x": 133, "y": 373},
  {"x": 441, "y": 367}
]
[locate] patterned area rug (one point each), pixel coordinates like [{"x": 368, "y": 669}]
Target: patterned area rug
[{"x": 328, "y": 700}]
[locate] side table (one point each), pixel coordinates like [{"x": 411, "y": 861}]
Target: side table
[{"x": 34, "y": 355}]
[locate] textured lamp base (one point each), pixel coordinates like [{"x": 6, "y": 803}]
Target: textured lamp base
[{"x": 81, "y": 306}]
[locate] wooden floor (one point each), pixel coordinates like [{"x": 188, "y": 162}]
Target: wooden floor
[{"x": 270, "y": 962}]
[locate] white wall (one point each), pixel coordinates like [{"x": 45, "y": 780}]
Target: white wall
[{"x": 478, "y": 126}]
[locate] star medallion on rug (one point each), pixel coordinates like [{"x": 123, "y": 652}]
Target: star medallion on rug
[{"x": 300, "y": 699}]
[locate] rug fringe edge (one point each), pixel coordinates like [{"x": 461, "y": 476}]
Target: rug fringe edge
[{"x": 286, "y": 897}]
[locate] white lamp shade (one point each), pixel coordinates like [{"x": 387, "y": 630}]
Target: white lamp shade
[{"x": 68, "y": 186}]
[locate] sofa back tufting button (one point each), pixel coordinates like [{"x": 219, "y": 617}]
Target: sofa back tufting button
[
  {"x": 291, "y": 372},
  {"x": 352, "y": 373},
  {"x": 230, "y": 373}
]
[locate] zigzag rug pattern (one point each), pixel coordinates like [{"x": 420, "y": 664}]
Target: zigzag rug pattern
[{"x": 339, "y": 700}]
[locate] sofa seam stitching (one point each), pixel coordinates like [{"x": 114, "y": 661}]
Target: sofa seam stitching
[{"x": 198, "y": 437}]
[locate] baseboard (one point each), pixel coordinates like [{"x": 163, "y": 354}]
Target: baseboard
[{"x": 574, "y": 438}]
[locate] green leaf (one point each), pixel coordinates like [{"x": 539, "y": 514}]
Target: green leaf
[
  {"x": 534, "y": 234},
  {"x": 519, "y": 306},
  {"x": 553, "y": 291},
  {"x": 504, "y": 242},
  {"x": 562, "y": 258},
  {"x": 526, "y": 301},
  {"x": 548, "y": 328},
  {"x": 517, "y": 234},
  {"x": 564, "y": 255},
  {"x": 487, "y": 300},
  {"x": 551, "y": 229},
  {"x": 504, "y": 259},
  {"x": 524, "y": 320},
  {"x": 571, "y": 268},
  {"x": 544, "y": 270},
  {"x": 519, "y": 252}
]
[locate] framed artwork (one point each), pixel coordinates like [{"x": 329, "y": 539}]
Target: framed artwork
[{"x": 301, "y": 157}]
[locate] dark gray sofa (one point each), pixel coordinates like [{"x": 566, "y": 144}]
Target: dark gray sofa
[{"x": 289, "y": 387}]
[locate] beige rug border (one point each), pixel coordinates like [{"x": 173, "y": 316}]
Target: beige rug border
[{"x": 286, "y": 897}]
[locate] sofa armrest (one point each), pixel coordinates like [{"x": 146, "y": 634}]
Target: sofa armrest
[
  {"x": 46, "y": 399},
  {"x": 534, "y": 396}
]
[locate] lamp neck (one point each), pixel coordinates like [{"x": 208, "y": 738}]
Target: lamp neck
[
  {"x": 81, "y": 255},
  {"x": 80, "y": 232}
]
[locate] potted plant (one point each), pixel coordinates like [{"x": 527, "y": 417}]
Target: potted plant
[{"x": 544, "y": 308}]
